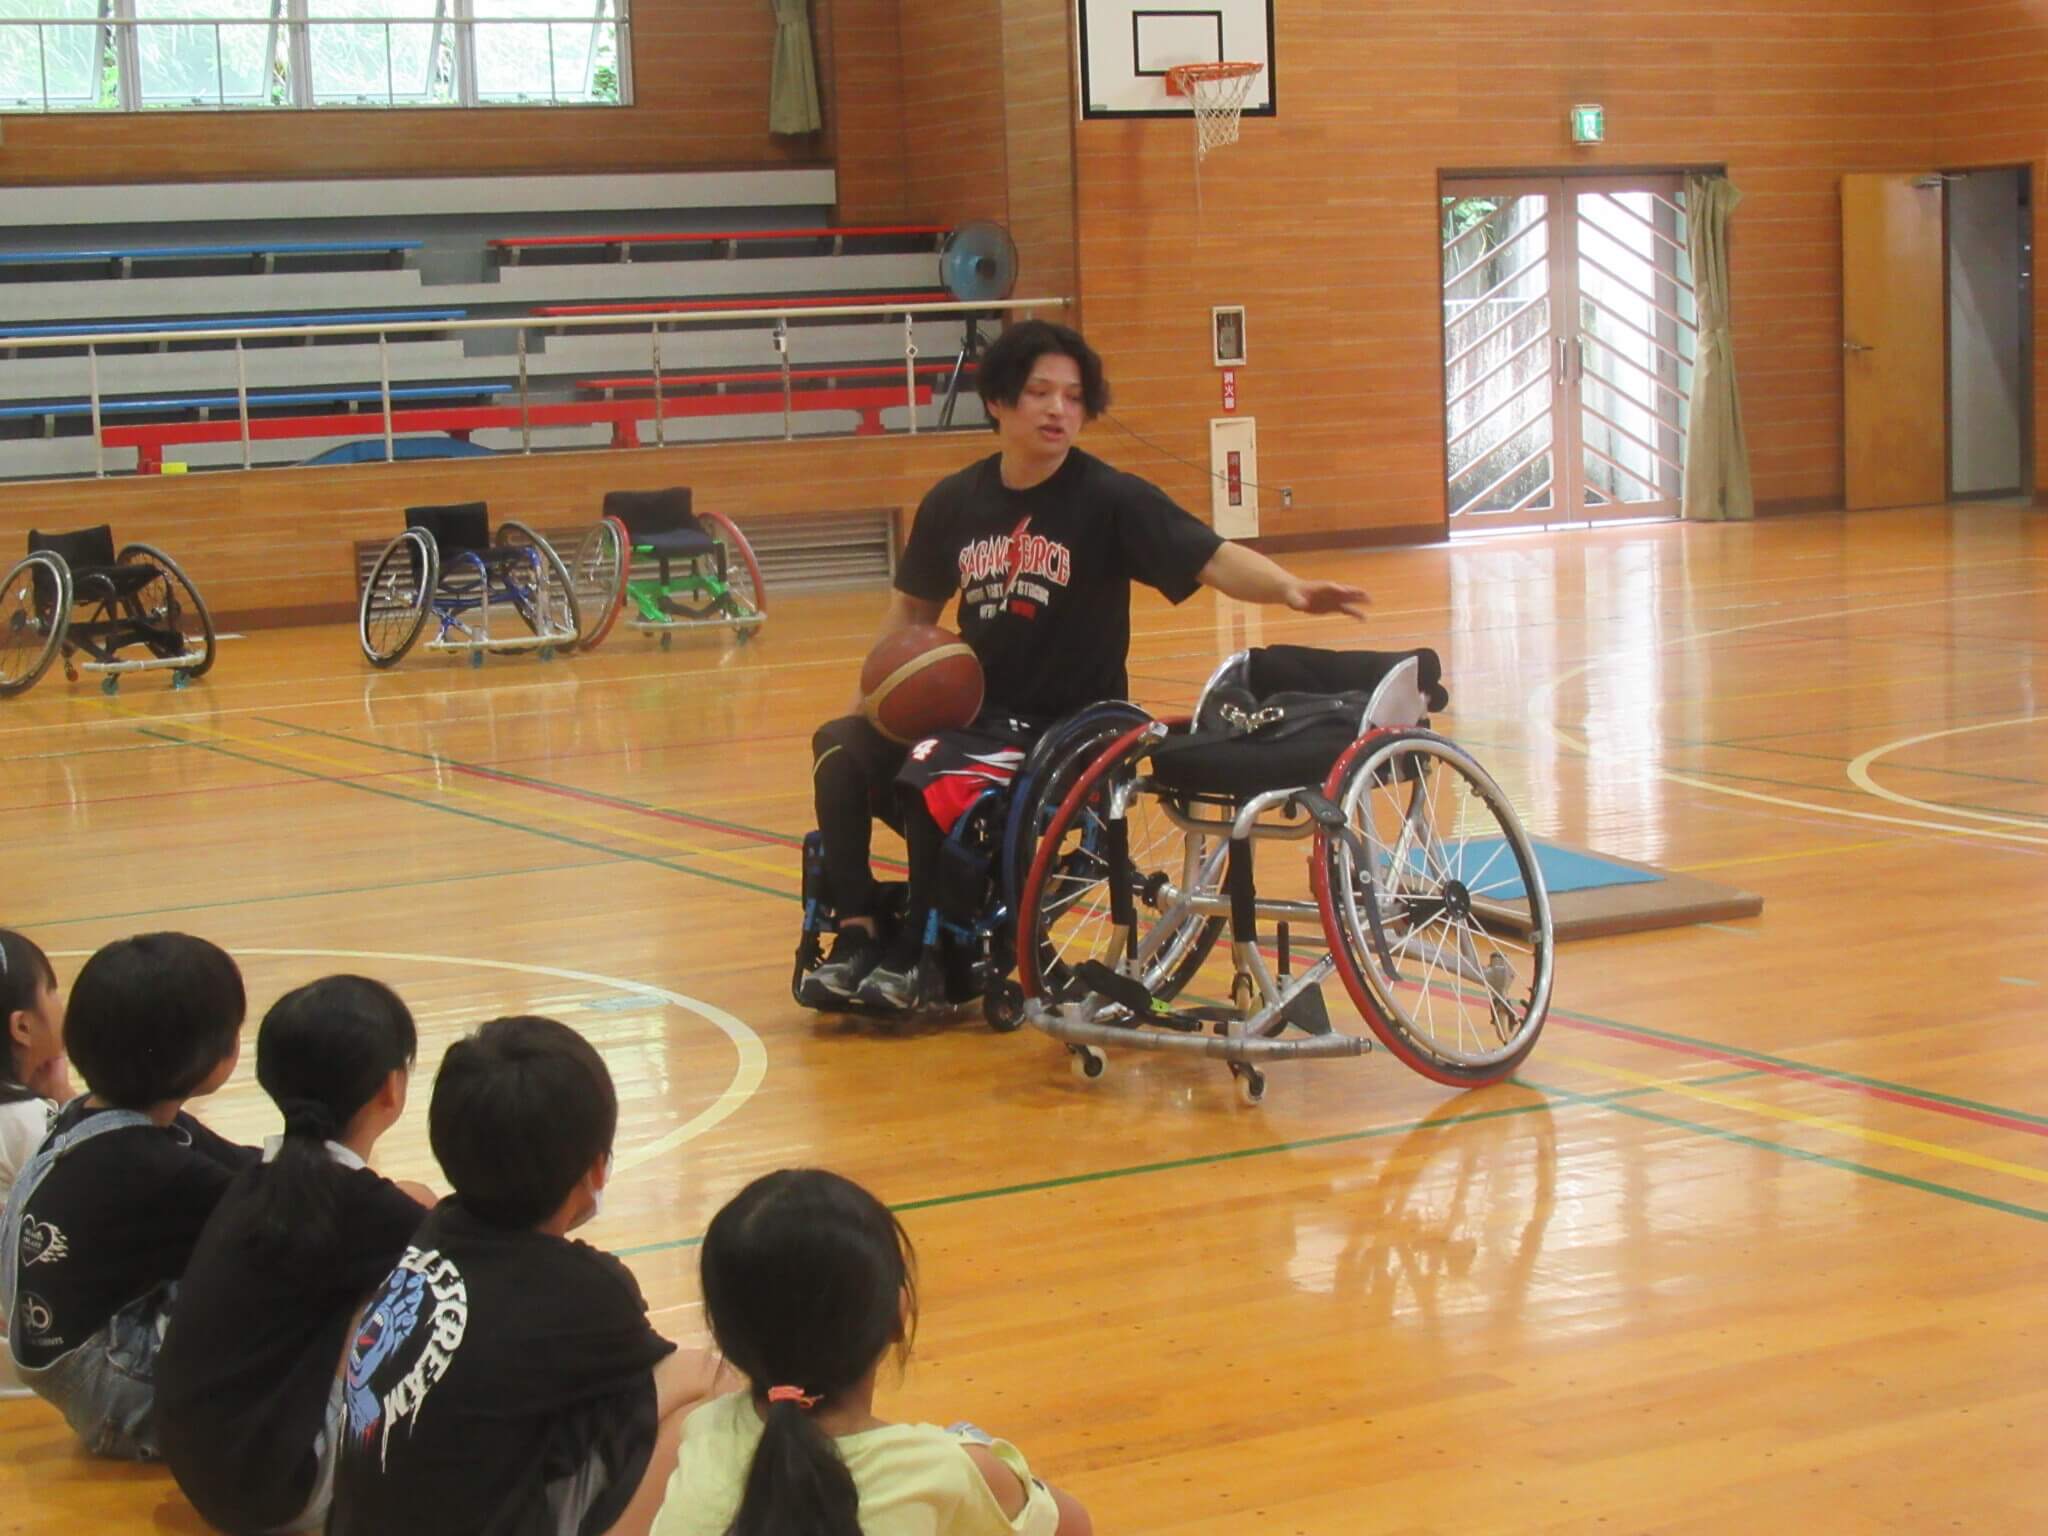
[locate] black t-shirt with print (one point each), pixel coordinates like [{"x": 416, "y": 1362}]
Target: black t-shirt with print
[
  {"x": 115, "y": 1217},
  {"x": 489, "y": 1364},
  {"x": 1044, "y": 575},
  {"x": 255, "y": 1339}
]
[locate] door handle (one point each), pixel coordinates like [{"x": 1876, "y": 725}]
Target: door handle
[
  {"x": 1557, "y": 359},
  {"x": 1856, "y": 346}
]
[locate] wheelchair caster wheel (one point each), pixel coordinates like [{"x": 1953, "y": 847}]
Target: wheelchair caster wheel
[
  {"x": 70, "y": 673},
  {"x": 1003, "y": 1006},
  {"x": 1087, "y": 1063},
  {"x": 110, "y": 685},
  {"x": 547, "y": 653},
  {"x": 745, "y": 636},
  {"x": 476, "y": 661},
  {"x": 180, "y": 681},
  {"x": 1251, "y": 1083},
  {"x": 668, "y": 641}
]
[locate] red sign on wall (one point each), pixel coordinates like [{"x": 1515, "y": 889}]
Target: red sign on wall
[
  {"x": 1230, "y": 389},
  {"x": 1233, "y": 477}
]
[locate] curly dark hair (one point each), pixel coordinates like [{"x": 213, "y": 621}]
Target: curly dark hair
[{"x": 1007, "y": 365}]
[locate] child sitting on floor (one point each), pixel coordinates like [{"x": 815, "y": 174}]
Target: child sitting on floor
[{"x": 33, "y": 1079}]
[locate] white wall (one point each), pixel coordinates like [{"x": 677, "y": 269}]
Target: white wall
[{"x": 1987, "y": 388}]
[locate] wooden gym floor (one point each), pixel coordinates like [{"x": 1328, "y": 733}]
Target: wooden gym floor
[{"x": 1757, "y": 1241}]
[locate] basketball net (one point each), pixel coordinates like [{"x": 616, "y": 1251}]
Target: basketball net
[{"x": 1218, "y": 92}]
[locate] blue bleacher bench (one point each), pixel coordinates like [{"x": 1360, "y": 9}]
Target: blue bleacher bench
[
  {"x": 266, "y": 251},
  {"x": 237, "y": 323},
  {"x": 258, "y": 399}
]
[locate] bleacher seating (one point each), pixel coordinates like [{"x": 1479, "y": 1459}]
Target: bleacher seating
[
  {"x": 833, "y": 237},
  {"x": 415, "y": 318},
  {"x": 120, "y": 260},
  {"x": 53, "y": 410}
]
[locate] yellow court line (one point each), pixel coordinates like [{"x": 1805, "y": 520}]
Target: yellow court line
[
  {"x": 1797, "y": 853},
  {"x": 420, "y": 779},
  {"x": 1795, "y": 1117}
]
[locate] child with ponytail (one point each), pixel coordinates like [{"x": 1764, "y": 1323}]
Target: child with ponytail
[
  {"x": 249, "y": 1396},
  {"x": 808, "y": 1284}
]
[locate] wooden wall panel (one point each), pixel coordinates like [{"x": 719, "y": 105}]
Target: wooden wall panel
[
  {"x": 1323, "y": 222},
  {"x": 700, "y": 72},
  {"x": 953, "y": 129},
  {"x": 860, "y": 77},
  {"x": 1992, "y": 96},
  {"x": 269, "y": 546},
  {"x": 1038, "y": 114}
]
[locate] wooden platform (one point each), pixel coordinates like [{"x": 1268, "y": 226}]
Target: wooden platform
[{"x": 1756, "y": 1243}]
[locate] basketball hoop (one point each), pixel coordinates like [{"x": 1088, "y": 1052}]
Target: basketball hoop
[{"x": 1218, "y": 92}]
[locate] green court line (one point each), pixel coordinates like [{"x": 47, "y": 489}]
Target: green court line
[
  {"x": 1233, "y": 1155},
  {"x": 343, "y": 890},
  {"x": 441, "y": 759},
  {"x": 1925, "y": 1186},
  {"x": 477, "y": 816},
  {"x": 1737, "y": 744}
]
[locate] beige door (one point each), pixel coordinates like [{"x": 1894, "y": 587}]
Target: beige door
[{"x": 1894, "y": 378}]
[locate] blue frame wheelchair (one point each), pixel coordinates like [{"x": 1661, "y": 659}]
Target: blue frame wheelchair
[
  {"x": 448, "y": 565},
  {"x": 75, "y": 596}
]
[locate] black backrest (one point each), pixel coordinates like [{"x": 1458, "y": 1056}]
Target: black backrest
[
  {"x": 645, "y": 512},
  {"x": 1275, "y": 669},
  {"x": 81, "y": 549},
  {"x": 462, "y": 526}
]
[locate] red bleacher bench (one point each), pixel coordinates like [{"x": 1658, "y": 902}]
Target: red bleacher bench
[{"x": 732, "y": 240}]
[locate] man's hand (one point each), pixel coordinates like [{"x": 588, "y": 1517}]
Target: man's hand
[{"x": 1328, "y": 597}]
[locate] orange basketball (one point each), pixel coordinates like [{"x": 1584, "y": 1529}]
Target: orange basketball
[{"x": 920, "y": 680}]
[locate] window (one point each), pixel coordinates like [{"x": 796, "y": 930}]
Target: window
[{"x": 130, "y": 55}]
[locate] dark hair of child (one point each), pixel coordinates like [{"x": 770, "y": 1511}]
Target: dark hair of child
[
  {"x": 808, "y": 1280},
  {"x": 322, "y": 1053},
  {"x": 151, "y": 1017},
  {"x": 522, "y": 1109},
  {"x": 1006, "y": 366},
  {"x": 25, "y": 972}
]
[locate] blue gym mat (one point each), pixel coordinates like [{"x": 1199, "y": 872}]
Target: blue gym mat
[{"x": 1563, "y": 870}]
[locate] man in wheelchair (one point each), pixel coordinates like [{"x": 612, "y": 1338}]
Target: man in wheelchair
[{"x": 1042, "y": 542}]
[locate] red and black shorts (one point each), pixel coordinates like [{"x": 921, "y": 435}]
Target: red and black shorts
[{"x": 951, "y": 770}]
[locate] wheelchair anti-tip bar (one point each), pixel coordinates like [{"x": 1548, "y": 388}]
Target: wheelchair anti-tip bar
[{"x": 1067, "y": 1022}]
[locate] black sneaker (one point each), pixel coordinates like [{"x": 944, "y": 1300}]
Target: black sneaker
[
  {"x": 855, "y": 952},
  {"x": 893, "y": 982}
]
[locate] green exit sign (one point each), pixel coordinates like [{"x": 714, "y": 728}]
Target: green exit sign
[{"x": 1589, "y": 124}]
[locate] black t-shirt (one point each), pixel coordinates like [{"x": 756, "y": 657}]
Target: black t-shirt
[
  {"x": 254, "y": 1342},
  {"x": 1044, "y": 575},
  {"x": 116, "y": 1217},
  {"x": 489, "y": 1364}
]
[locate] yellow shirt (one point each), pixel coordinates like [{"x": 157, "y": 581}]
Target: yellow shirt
[{"x": 913, "y": 1479}]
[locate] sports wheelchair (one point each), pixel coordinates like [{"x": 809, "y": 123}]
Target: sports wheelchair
[
  {"x": 1415, "y": 857},
  {"x": 75, "y": 596},
  {"x": 447, "y": 564},
  {"x": 676, "y": 568}
]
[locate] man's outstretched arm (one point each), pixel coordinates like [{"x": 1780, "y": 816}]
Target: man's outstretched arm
[{"x": 1243, "y": 573}]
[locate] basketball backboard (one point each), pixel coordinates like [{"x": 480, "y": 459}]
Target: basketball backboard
[{"x": 1127, "y": 46}]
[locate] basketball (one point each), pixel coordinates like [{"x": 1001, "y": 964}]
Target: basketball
[{"x": 920, "y": 680}]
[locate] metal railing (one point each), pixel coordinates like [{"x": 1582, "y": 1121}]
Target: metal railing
[
  {"x": 656, "y": 324},
  {"x": 281, "y": 79}
]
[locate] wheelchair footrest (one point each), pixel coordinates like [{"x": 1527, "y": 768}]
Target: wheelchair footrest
[{"x": 1130, "y": 993}]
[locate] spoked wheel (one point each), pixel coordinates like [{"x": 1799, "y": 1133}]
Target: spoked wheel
[
  {"x": 543, "y": 592},
  {"x": 35, "y": 611},
  {"x": 746, "y": 595},
  {"x": 1433, "y": 843},
  {"x": 598, "y": 572},
  {"x": 1049, "y": 771},
  {"x": 1066, "y": 914},
  {"x": 397, "y": 596},
  {"x": 172, "y": 607}
]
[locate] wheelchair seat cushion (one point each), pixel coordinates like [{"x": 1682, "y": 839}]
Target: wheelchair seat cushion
[
  {"x": 677, "y": 543},
  {"x": 1309, "y": 669}
]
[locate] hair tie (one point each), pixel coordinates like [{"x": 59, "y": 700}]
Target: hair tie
[
  {"x": 795, "y": 1395},
  {"x": 308, "y": 1117}
]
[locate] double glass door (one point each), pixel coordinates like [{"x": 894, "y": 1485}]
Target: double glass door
[{"x": 1569, "y": 342}]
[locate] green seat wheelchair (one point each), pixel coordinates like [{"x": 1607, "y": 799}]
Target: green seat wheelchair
[
  {"x": 75, "y": 596},
  {"x": 664, "y": 567},
  {"x": 483, "y": 592}
]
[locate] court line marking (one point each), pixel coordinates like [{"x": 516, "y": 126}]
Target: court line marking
[
  {"x": 751, "y": 1070},
  {"x": 1799, "y": 1117},
  {"x": 624, "y": 854},
  {"x": 1542, "y": 705},
  {"x": 1779, "y": 858},
  {"x": 1614, "y": 1103},
  {"x": 1859, "y": 773}
]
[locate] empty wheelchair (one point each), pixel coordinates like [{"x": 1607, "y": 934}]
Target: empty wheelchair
[
  {"x": 1415, "y": 859},
  {"x": 483, "y": 593},
  {"x": 968, "y": 949},
  {"x": 667, "y": 568},
  {"x": 74, "y": 596}
]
